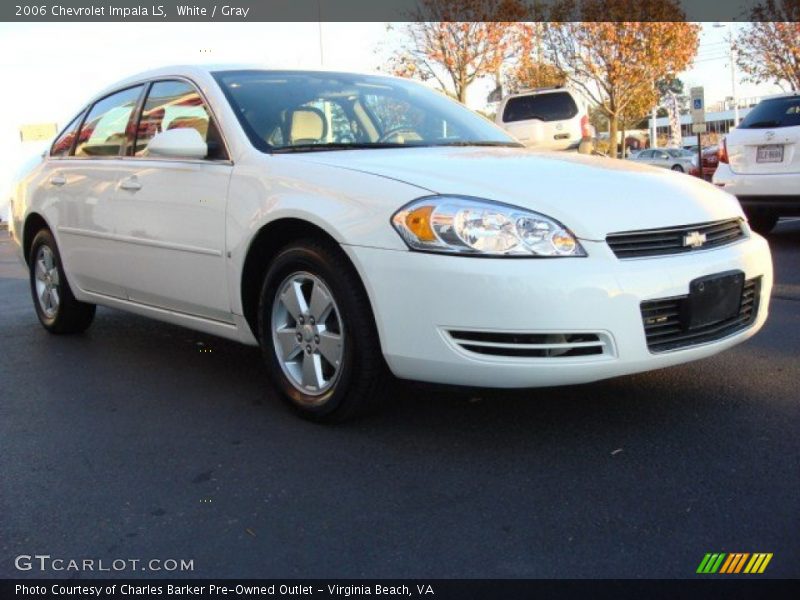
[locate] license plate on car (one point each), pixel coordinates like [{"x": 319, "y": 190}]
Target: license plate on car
[
  {"x": 714, "y": 298},
  {"x": 770, "y": 153}
]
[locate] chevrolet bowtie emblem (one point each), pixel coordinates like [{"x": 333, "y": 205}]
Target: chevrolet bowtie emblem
[{"x": 694, "y": 239}]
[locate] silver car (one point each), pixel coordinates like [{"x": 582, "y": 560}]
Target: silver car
[{"x": 676, "y": 159}]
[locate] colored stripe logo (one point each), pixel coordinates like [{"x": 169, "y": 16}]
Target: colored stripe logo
[{"x": 733, "y": 563}]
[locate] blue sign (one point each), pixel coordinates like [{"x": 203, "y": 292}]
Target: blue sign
[{"x": 698, "y": 104}]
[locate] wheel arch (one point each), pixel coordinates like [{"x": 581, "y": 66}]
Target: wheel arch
[
  {"x": 263, "y": 248},
  {"x": 34, "y": 222}
]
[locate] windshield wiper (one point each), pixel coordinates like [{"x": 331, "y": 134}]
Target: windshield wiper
[
  {"x": 334, "y": 146},
  {"x": 480, "y": 143}
]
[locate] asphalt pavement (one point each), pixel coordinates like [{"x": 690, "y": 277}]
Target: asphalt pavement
[{"x": 141, "y": 440}]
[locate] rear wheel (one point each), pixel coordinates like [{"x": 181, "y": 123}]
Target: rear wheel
[
  {"x": 318, "y": 334},
  {"x": 677, "y": 168},
  {"x": 762, "y": 222},
  {"x": 56, "y": 307}
]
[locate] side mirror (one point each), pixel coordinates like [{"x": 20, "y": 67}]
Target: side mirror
[{"x": 184, "y": 142}]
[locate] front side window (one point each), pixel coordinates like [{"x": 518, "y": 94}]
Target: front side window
[
  {"x": 287, "y": 111},
  {"x": 106, "y": 130},
  {"x": 63, "y": 144},
  {"x": 775, "y": 112},
  {"x": 176, "y": 105},
  {"x": 551, "y": 106}
]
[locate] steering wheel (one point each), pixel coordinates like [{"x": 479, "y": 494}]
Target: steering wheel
[{"x": 395, "y": 131}]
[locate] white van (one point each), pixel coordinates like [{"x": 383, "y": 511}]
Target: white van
[{"x": 547, "y": 118}]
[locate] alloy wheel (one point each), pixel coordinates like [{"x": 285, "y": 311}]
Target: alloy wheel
[
  {"x": 308, "y": 334},
  {"x": 48, "y": 291}
]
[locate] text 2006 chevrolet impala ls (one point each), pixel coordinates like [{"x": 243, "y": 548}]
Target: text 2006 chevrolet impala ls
[{"x": 349, "y": 223}]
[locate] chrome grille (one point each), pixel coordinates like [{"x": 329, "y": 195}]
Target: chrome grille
[
  {"x": 530, "y": 345},
  {"x": 675, "y": 240},
  {"x": 664, "y": 323}
]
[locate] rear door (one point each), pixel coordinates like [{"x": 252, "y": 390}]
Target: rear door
[
  {"x": 768, "y": 139},
  {"x": 83, "y": 172},
  {"x": 645, "y": 156},
  {"x": 170, "y": 212}
]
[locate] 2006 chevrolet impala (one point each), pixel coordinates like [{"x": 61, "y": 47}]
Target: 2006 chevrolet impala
[{"x": 349, "y": 223}]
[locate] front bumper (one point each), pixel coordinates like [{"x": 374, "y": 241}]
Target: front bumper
[
  {"x": 418, "y": 298},
  {"x": 773, "y": 192}
]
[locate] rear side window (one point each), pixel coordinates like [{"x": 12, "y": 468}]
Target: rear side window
[
  {"x": 776, "y": 112},
  {"x": 552, "y": 106},
  {"x": 63, "y": 144},
  {"x": 175, "y": 105},
  {"x": 106, "y": 130}
]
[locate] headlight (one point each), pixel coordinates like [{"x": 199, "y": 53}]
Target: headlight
[{"x": 460, "y": 225}]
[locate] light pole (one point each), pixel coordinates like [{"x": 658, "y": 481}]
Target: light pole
[
  {"x": 319, "y": 33},
  {"x": 732, "y": 60},
  {"x": 653, "y": 124}
]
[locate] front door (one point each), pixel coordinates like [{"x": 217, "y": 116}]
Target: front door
[{"x": 170, "y": 213}]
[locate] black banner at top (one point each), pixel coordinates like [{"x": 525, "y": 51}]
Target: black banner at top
[{"x": 397, "y": 10}]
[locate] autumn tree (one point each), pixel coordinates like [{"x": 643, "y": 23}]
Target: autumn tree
[
  {"x": 455, "y": 42},
  {"x": 530, "y": 67},
  {"x": 768, "y": 49},
  {"x": 614, "y": 62}
]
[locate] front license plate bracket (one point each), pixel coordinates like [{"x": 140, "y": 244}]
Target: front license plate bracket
[{"x": 713, "y": 299}]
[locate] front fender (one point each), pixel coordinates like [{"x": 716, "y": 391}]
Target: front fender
[{"x": 354, "y": 208}]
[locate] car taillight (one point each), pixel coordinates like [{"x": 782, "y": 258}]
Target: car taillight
[
  {"x": 586, "y": 128},
  {"x": 722, "y": 154}
]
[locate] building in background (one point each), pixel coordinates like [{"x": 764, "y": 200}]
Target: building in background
[{"x": 719, "y": 122}]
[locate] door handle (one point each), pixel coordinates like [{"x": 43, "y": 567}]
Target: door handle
[
  {"x": 130, "y": 184},
  {"x": 58, "y": 180}
]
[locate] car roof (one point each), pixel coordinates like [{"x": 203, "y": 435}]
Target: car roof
[
  {"x": 537, "y": 91},
  {"x": 781, "y": 95},
  {"x": 201, "y": 71}
]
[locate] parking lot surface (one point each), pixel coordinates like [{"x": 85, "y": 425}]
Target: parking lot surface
[{"x": 141, "y": 440}]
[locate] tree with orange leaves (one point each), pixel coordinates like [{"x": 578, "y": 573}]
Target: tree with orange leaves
[
  {"x": 455, "y": 42},
  {"x": 768, "y": 50},
  {"x": 614, "y": 62}
]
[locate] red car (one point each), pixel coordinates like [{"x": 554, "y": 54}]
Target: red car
[{"x": 710, "y": 160}]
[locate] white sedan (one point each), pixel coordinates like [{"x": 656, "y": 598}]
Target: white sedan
[
  {"x": 675, "y": 159},
  {"x": 356, "y": 225}
]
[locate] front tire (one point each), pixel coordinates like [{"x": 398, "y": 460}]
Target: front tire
[
  {"x": 318, "y": 334},
  {"x": 56, "y": 306}
]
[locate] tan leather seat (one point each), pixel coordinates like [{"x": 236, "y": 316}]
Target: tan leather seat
[{"x": 307, "y": 126}]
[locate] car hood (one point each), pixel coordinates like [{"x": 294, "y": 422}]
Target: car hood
[{"x": 591, "y": 195}]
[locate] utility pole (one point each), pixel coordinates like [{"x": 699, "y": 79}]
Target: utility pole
[
  {"x": 733, "y": 78},
  {"x": 319, "y": 33},
  {"x": 653, "y": 125},
  {"x": 732, "y": 61}
]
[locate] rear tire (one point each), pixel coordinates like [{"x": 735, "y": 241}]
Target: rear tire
[
  {"x": 318, "y": 334},
  {"x": 677, "y": 168},
  {"x": 56, "y": 306},
  {"x": 762, "y": 222}
]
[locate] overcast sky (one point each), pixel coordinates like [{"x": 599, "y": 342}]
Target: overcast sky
[{"x": 50, "y": 69}]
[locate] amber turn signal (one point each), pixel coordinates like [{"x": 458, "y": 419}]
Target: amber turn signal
[{"x": 418, "y": 222}]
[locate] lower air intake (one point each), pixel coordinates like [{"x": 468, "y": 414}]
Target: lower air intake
[{"x": 530, "y": 345}]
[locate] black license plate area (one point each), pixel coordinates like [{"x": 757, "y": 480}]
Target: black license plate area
[{"x": 714, "y": 298}]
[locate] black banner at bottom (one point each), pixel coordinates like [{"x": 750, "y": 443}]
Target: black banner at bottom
[{"x": 435, "y": 589}]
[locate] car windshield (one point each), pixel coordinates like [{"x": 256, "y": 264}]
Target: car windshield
[
  {"x": 290, "y": 111},
  {"x": 775, "y": 112}
]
